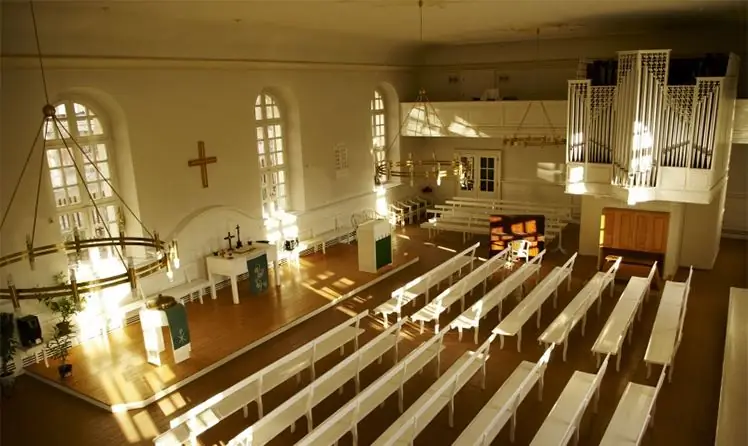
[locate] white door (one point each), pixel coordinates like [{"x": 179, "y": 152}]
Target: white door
[{"x": 481, "y": 175}]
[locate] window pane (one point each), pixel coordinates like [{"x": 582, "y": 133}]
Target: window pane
[
  {"x": 279, "y": 145},
  {"x": 56, "y": 177},
  {"x": 65, "y": 155},
  {"x": 277, "y": 129},
  {"x": 104, "y": 169},
  {"x": 79, "y": 110},
  {"x": 71, "y": 177},
  {"x": 96, "y": 127},
  {"x": 264, "y": 179},
  {"x": 74, "y": 195},
  {"x": 271, "y": 131},
  {"x": 274, "y": 177},
  {"x": 262, "y": 162},
  {"x": 276, "y": 112},
  {"x": 483, "y": 162},
  {"x": 62, "y": 127},
  {"x": 106, "y": 190},
  {"x": 281, "y": 176},
  {"x": 94, "y": 190},
  {"x": 279, "y": 158},
  {"x": 91, "y": 174},
  {"x": 260, "y": 133},
  {"x": 83, "y": 127},
  {"x": 60, "y": 111},
  {"x": 101, "y": 154},
  {"x": 258, "y": 101},
  {"x": 281, "y": 190},
  {"x": 260, "y": 147},
  {"x": 269, "y": 112},
  {"x": 271, "y": 145},
  {"x": 272, "y": 159},
  {"x": 60, "y": 197},
  {"x": 258, "y": 112},
  {"x": 50, "y": 131},
  {"x": 490, "y": 186}
]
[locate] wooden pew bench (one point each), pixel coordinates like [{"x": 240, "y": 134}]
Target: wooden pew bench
[
  {"x": 512, "y": 324},
  {"x": 621, "y": 319},
  {"x": 423, "y": 284},
  {"x": 302, "y": 403},
  {"x": 634, "y": 413},
  {"x": 564, "y": 418},
  {"x": 346, "y": 418},
  {"x": 668, "y": 325},
  {"x": 558, "y": 331},
  {"x": 732, "y": 428},
  {"x": 444, "y": 301},
  {"x": 471, "y": 317},
  {"x": 442, "y": 393},
  {"x": 502, "y": 407},
  {"x": 188, "y": 426}
]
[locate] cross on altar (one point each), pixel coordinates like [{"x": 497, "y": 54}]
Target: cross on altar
[
  {"x": 203, "y": 162},
  {"x": 228, "y": 239}
]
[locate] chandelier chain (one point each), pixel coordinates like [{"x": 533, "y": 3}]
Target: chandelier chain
[
  {"x": 39, "y": 52},
  {"x": 20, "y": 177},
  {"x": 38, "y": 189}
]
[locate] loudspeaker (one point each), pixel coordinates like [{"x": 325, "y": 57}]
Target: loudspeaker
[{"x": 29, "y": 330}]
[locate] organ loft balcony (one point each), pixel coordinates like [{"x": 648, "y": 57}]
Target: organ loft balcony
[{"x": 648, "y": 127}]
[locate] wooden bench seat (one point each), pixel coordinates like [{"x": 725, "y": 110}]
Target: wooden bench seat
[
  {"x": 202, "y": 417},
  {"x": 732, "y": 428},
  {"x": 562, "y": 423},
  {"x": 346, "y": 418},
  {"x": 503, "y": 405},
  {"x": 301, "y": 404},
  {"x": 444, "y": 301},
  {"x": 621, "y": 319},
  {"x": 423, "y": 284},
  {"x": 512, "y": 324},
  {"x": 634, "y": 413},
  {"x": 471, "y": 317},
  {"x": 668, "y": 325},
  {"x": 558, "y": 331},
  {"x": 442, "y": 393}
]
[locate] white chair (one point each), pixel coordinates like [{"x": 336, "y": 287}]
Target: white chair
[{"x": 520, "y": 250}]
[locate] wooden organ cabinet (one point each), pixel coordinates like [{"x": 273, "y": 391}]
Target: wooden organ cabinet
[{"x": 640, "y": 237}]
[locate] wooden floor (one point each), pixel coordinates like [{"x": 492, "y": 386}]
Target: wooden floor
[
  {"x": 113, "y": 370},
  {"x": 686, "y": 411}
]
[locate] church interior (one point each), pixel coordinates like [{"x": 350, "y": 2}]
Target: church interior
[{"x": 374, "y": 222}]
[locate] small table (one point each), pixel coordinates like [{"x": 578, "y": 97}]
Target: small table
[{"x": 237, "y": 265}]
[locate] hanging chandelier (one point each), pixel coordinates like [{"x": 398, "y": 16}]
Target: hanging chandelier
[
  {"x": 159, "y": 255},
  {"x": 421, "y": 120}
]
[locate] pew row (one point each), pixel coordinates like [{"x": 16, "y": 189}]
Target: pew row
[
  {"x": 302, "y": 403},
  {"x": 621, "y": 319},
  {"x": 634, "y": 413},
  {"x": 423, "y": 284},
  {"x": 558, "y": 331},
  {"x": 442, "y": 393},
  {"x": 512, "y": 324},
  {"x": 444, "y": 301},
  {"x": 185, "y": 428},
  {"x": 471, "y": 317},
  {"x": 472, "y": 223},
  {"x": 562, "y": 422},
  {"x": 668, "y": 325},
  {"x": 732, "y": 428},
  {"x": 502, "y": 407},
  {"x": 346, "y": 418}
]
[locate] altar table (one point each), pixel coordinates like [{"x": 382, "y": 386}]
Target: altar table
[{"x": 237, "y": 265}]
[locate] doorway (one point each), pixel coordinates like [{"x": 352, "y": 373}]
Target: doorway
[{"x": 481, "y": 175}]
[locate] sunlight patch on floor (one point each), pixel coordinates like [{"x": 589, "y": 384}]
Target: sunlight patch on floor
[
  {"x": 171, "y": 404},
  {"x": 444, "y": 248},
  {"x": 343, "y": 283},
  {"x": 154, "y": 382},
  {"x": 165, "y": 373},
  {"x": 111, "y": 389},
  {"x": 322, "y": 292},
  {"x": 402, "y": 236},
  {"x": 145, "y": 425},
  {"x": 326, "y": 275},
  {"x": 347, "y": 311},
  {"x": 127, "y": 427}
]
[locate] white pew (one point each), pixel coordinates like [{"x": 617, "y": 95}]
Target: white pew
[
  {"x": 444, "y": 301},
  {"x": 668, "y": 325},
  {"x": 558, "y": 331},
  {"x": 346, "y": 419},
  {"x": 564, "y": 418},
  {"x": 186, "y": 427},
  {"x": 510, "y": 202},
  {"x": 185, "y": 285},
  {"x": 471, "y": 317},
  {"x": 301, "y": 404},
  {"x": 310, "y": 240},
  {"x": 621, "y": 319},
  {"x": 418, "y": 416},
  {"x": 512, "y": 324},
  {"x": 514, "y": 208},
  {"x": 732, "y": 428},
  {"x": 502, "y": 407},
  {"x": 423, "y": 284},
  {"x": 634, "y": 413}
]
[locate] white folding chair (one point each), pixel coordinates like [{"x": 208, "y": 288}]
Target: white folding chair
[{"x": 520, "y": 250}]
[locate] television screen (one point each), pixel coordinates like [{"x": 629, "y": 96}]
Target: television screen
[{"x": 507, "y": 228}]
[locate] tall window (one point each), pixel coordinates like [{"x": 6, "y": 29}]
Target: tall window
[
  {"x": 378, "y": 128},
  {"x": 74, "y": 196},
  {"x": 271, "y": 154}
]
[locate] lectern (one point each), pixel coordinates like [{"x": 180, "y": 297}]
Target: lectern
[{"x": 374, "y": 245}]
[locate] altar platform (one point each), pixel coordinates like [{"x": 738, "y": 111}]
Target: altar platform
[{"x": 111, "y": 372}]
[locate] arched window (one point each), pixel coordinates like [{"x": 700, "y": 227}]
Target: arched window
[
  {"x": 271, "y": 153},
  {"x": 81, "y": 149},
  {"x": 378, "y": 128}
]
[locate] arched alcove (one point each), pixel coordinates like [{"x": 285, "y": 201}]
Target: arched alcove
[{"x": 392, "y": 118}]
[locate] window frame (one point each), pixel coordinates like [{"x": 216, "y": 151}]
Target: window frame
[
  {"x": 269, "y": 171},
  {"x": 379, "y": 142}
]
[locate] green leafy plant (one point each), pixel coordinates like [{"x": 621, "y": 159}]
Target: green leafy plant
[
  {"x": 65, "y": 308},
  {"x": 59, "y": 347},
  {"x": 8, "y": 342}
]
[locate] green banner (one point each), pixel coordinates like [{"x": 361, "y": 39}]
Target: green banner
[
  {"x": 178, "y": 326},
  {"x": 258, "y": 274}
]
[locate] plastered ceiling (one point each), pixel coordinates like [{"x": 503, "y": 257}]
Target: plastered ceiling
[{"x": 171, "y": 26}]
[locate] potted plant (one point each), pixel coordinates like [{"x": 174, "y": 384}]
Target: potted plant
[
  {"x": 8, "y": 346},
  {"x": 65, "y": 308},
  {"x": 59, "y": 347}
]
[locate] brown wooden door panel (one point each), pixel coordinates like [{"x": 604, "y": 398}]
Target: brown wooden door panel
[
  {"x": 626, "y": 231},
  {"x": 634, "y": 230},
  {"x": 658, "y": 241},
  {"x": 609, "y": 227}
]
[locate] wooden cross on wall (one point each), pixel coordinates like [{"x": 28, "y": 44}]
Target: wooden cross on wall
[{"x": 203, "y": 162}]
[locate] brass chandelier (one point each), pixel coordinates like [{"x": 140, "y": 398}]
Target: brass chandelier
[{"x": 160, "y": 255}]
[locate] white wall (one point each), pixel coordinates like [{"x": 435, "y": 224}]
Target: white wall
[
  {"x": 528, "y": 70},
  {"x": 161, "y": 111},
  {"x": 736, "y": 206}
]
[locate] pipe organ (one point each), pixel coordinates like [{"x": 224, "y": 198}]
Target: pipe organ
[{"x": 634, "y": 133}]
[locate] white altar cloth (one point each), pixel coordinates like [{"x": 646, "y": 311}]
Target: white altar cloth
[{"x": 237, "y": 265}]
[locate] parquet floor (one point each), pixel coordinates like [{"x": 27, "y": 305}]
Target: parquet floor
[
  {"x": 113, "y": 369},
  {"x": 686, "y": 411}
]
